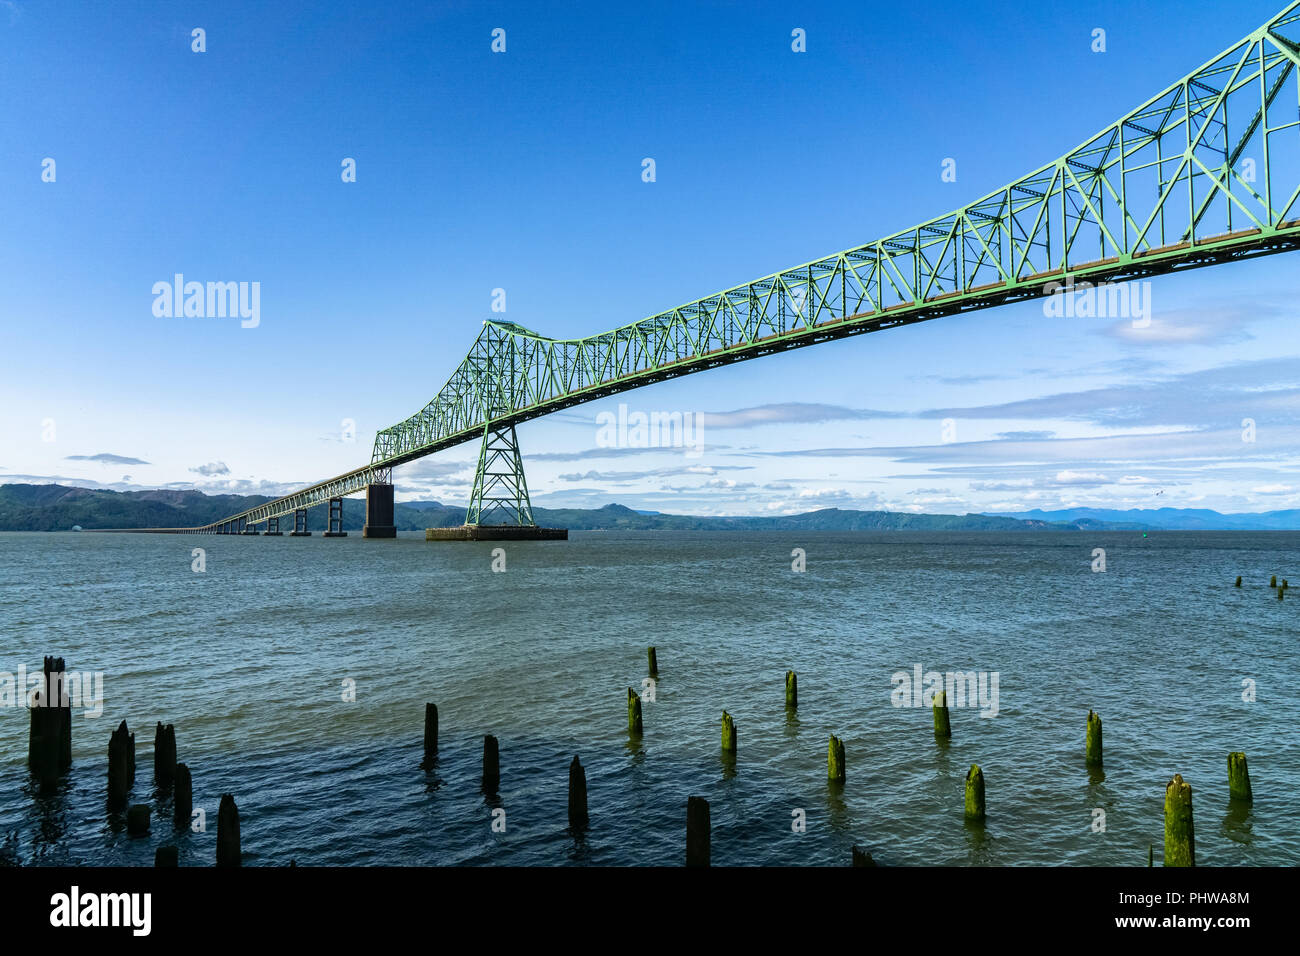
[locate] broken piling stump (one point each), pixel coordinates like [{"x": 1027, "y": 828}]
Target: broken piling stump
[
  {"x": 861, "y": 857},
  {"x": 1239, "y": 778},
  {"x": 49, "y": 738},
  {"x": 491, "y": 764},
  {"x": 577, "y": 795},
  {"x": 1180, "y": 838},
  {"x": 791, "y": 690},
  {"x": 228, "y": 853},
  {"x": 167, "y": 856},
  {"x": 121, "y": 764},
  {"x": 1238, "y": 584},
  {"x": 653, "y": 661},
  {"x": 697, "y": 832}
]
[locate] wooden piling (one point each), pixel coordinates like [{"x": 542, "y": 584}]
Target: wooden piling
[
  {"x": 1281, "y": 592},
  {"x": 182, "y": 797},
  {"x": 791, "y": 690},
  {"x": 1239, "y": 778},
  {"x": 491, "y": 765},
  {"x": 228, "y": 853},
  {"x": 49, "y": 737},
  {"x": 577, "y": 795},
  {"x": 835, "y": 760},
  {"x": 728, "y": 733},
  {"x": 975, "y": 793},
  {"x": 1272, "y": 582},
  {"x": 1238, "y": 584},
  {"x": 697, "y": 831},
  {"x": 430, "y": 731},
  {"x": 1151, "y": 854},
  {"x": 861, "y": 857},
  {"x": 121, "y": 764},
  {"x": 164, "y": 754},
  {"x": 942, "y": 726},
  {"x": 633, "y": 712},
  {"x": 167, "y": 856},
  {"x": 1092, "y": 746},
  {"x": 653, "y": 661},
  {"x": 1180, "y": 838},
  {"x": 137, "y": 819}
]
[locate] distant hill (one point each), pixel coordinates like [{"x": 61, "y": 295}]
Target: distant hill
[
  {"x": 1170, "y": 519},
  {"x": 59, "y": 508}
]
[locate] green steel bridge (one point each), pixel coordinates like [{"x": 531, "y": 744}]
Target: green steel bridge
[{"x": 1204, "y": 172}]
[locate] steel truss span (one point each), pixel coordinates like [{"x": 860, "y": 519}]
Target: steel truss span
[{"x": 1205, "y": 172}]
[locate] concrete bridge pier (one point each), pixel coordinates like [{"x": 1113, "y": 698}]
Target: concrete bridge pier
[
  {"x": 379, "y": 511},
  {"x": 273, "y": 527},
  {"x": 300, "y": 524},
  {"x": 335, "y": 527}
]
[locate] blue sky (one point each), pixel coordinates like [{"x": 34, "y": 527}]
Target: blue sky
[{"x": 522, "y": 171}]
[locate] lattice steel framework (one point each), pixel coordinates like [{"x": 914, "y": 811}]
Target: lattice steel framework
[
  {"x": 500, "y": 494},
  {"x": 1205, "y": 172}
]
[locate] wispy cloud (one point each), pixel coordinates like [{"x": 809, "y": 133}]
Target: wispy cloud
[{"x": 106, "y": 459}]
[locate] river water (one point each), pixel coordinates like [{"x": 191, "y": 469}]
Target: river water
[{"x": 252, "y": 659}]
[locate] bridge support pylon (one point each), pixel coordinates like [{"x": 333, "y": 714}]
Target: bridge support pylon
[
  {"x": 379, "y": 511},
  {"x": 273, "y": 527},
  {"x": 300, "y": 524},
  {"x": 335, "y": 527},
  {"x": 499, "y": 507}
]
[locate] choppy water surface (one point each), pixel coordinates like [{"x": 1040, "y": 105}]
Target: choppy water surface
[{"x": 248, "y": 660}]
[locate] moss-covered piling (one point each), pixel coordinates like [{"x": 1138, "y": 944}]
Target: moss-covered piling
[
  {"x": 1239, "y": 778},
  {"x": 1092, "y": 745},
  {"x": 1180, "y": 839},
  {"x": 1238, "y": 584},
  {"x": 791, "y": 690},
  {"x": 728, "y": 733},
  {"x": 835, "y": 760},
  {"x": 634, "y": 725},
  {"x": 975, "y": 793},
  {"x": 652, "y": 659}
]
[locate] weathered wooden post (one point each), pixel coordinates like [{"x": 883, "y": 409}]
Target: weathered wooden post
[
  {"x": 1238, "y": 584},
  {"x": 167, "y": 856},
  {"x": 975, "y": 793},
  {"x": 1151, "y": 854},
  {"x": 697, "y": 831},
  {"x": 137, "y": 819},
  {"x": 654, "y": 661},
  {"x": 1239, "y": 778},
  {"x": 182, "y": 797},
  {"x": 861, "y": 857},
  {"x": 491, "y": 765},
  {"x": 164, "y": 754},
  {"x": 430, "y": 731},
  {"x": 633, "y": 712},
  {"x": 835, "y": 760},
  {"x": 228, "y": 833},
  {"x": 1272, "y": 582},
  {"x": 791, "y": 690},
  {"x": 1180, "y": 839},
  {"x": 728, "y": 733},
  {"x": 1092, "y": 746},
  {"x": 1281, "y": 592},
  {"x": 942, "y": 727},
  {"x": 121, "y": 764},
  {"x": 49, "y": 737},
  {"x": 577, "y": 795}
]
